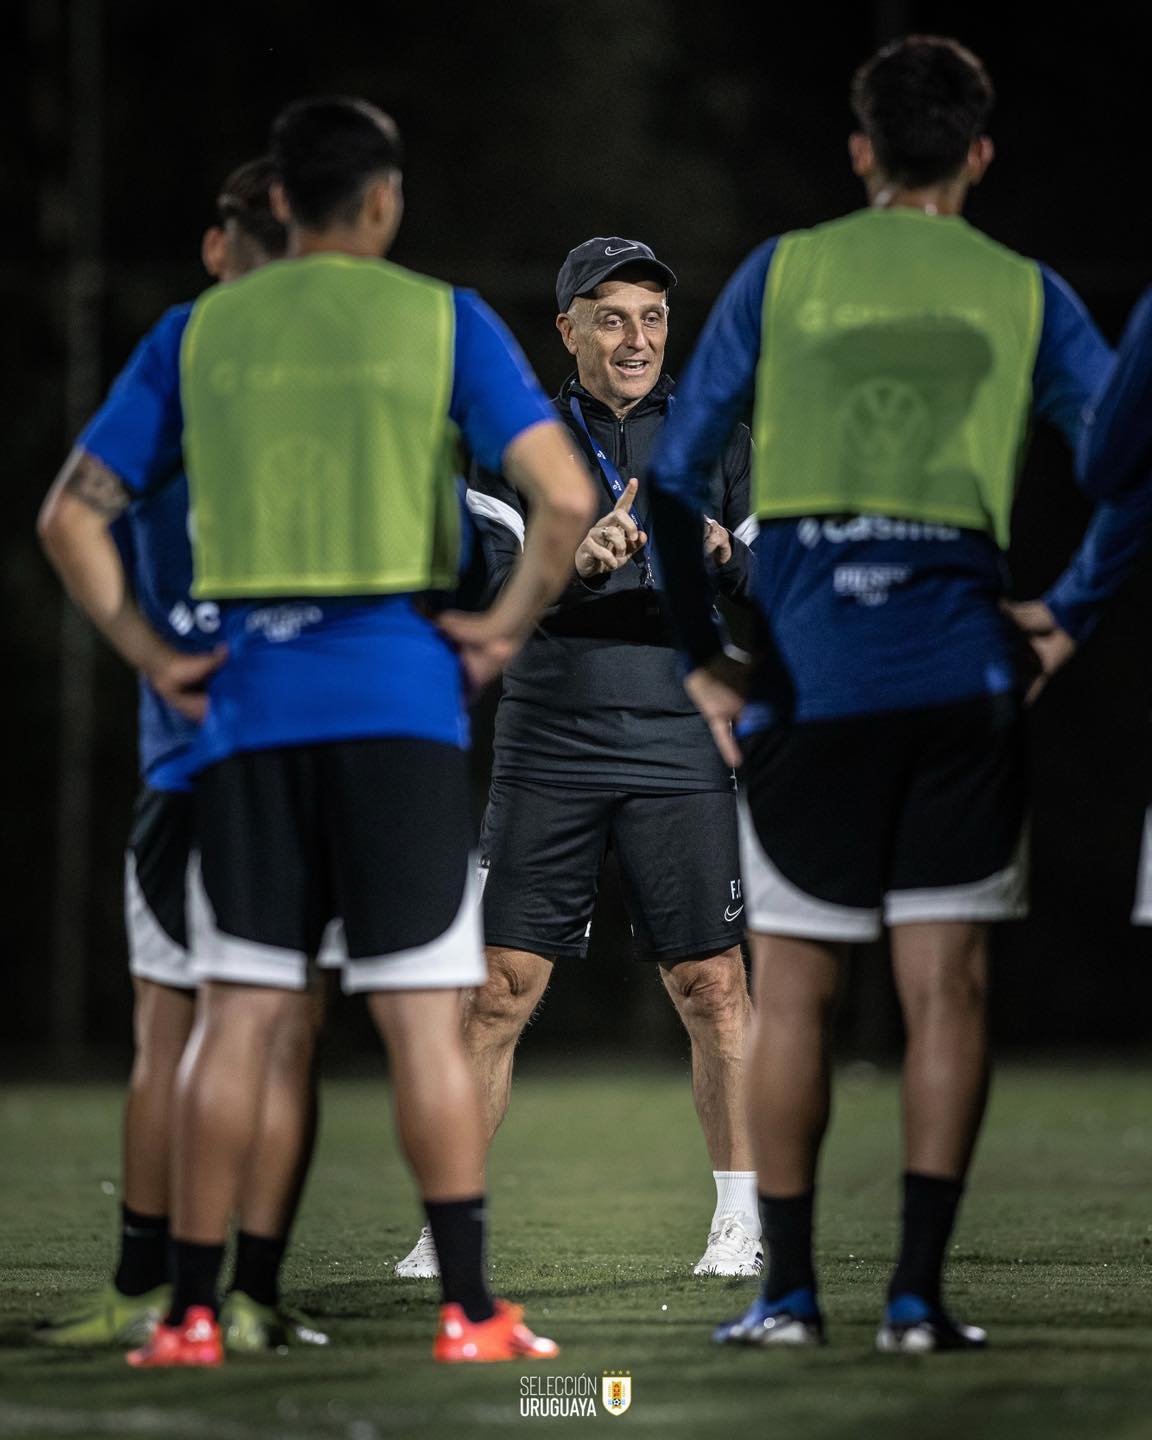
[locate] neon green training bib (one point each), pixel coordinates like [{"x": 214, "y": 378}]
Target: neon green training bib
[
  {"x": 320, "y": 456},
  {"x": 895, "y": 373}
]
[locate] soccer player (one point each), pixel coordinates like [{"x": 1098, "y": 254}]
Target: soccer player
[
  {"x": 153, "y": 534},
  {"x": 597, "y": 744},
  {"x": 320, "y": 401},
  {"x": 891, "y": 359}
]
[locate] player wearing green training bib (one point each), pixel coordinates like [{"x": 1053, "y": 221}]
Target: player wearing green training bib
[{"x": 892, "y": 360}]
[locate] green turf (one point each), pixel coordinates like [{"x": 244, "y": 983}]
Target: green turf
[{"x": 601, "y": 1197}]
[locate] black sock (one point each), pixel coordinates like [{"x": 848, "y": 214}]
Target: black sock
[
  {"x": 458, "y": 1228},
  {"x": 196, "y": 1271},
  {"x": 258, "y": 1261},
  {"x": 930, "y": 1205},
  {"x": 143, "y": 1252},
  {"x": 787, "y": 1226}
]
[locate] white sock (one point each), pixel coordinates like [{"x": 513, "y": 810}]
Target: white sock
[{"x": 736, "y": 1194}]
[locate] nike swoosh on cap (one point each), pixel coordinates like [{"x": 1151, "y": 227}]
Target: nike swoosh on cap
[{"x": 619, "y": 250}]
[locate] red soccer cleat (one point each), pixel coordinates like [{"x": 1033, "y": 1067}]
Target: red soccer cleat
[
  {"x": 195, "y": 1342},
  {"x": 483, "y": 1342}
]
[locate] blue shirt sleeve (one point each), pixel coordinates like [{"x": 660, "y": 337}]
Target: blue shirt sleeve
[
  {"x": 718, "y": 384},
  {"x": 1117, "y": 536},
  {"x": 716, "y": 390},
  {"x": 495, "y": 395},
  {"x": 1073, "y": 360},
  {"x": 137, "y": 430},
  {"x": 1115, "y": 449}
]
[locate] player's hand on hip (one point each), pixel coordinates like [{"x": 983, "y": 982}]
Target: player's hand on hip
[
  {"x": 180, "y": 679},
  {"x": 1051, "y": 646},
  {"x": 717, "y": 542},
  {"x": 718, "y": 690},
  {"x": 614, "y": 538},
  {"x": 483, "y": 644}
]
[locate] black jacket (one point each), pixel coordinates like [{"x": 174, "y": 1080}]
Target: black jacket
[{"x": 595, "y": 698}]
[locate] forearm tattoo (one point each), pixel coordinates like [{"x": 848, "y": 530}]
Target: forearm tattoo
[{"x": 100, "y": 489}]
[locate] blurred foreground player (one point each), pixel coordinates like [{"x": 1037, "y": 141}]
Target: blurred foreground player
[
  {"x": 892, "y": 358},
  {"x": 1116, "y": 452},
  {"x": 597, "y": 744},
  {"x": 320, "y": 406},
  {"x": 153, "y": 536}
]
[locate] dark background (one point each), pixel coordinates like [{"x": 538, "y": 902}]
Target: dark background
[{"x": 530, "y": 125}]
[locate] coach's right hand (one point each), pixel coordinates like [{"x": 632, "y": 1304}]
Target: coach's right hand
[{"x": 613, "y": 540}]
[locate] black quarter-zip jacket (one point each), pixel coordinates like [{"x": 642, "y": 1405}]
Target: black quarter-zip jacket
[{"x": 596, "y": 699}]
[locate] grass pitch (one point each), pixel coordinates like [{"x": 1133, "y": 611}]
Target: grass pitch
[{"x": 601, "y": 1197}]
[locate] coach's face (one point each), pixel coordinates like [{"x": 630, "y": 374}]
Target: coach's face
[{"x": 617, "y": 335}]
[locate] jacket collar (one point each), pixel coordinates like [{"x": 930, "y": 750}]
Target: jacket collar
[{"x": 655, "y": 400}]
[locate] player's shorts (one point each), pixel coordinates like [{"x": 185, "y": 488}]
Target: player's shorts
[
  {"x": 915, "y": 815},
  {"x": 375, "y": 832},
  {"x": 154, "y": 877},
  {"x": 1142, "y": 910},
  {"x": 542, "y": 848}
]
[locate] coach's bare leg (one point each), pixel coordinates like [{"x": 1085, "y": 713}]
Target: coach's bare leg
[
  {"x": 218, "y": 1103},
  {"x": 495, "y": 1015},
  {"x": 162, "y": 1023},
  {"x": 794, "y": 985},
  {"x": 941, "y": 972},
  {"x": 282, "y": 1152},
  {"x": 438, "y": 1113},
  {"x": 711, "y": 998}
]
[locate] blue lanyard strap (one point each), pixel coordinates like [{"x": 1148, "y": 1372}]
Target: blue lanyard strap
[{"x": 617, "y": 486}]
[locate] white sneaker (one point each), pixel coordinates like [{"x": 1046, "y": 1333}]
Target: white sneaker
[
  {"x": 731, "y": 1250},
  {"x": 421, "y": 1262}
]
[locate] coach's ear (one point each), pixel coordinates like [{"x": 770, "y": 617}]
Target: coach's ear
[
  {"x": 981, "y": 153},
  {"x": 214, "y": 251},
  {"x": 279, "y": 203},
  {"x": 862, "y": 155}
]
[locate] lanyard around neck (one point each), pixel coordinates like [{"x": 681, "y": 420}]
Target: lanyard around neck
[{"x": 617, "y": 486}]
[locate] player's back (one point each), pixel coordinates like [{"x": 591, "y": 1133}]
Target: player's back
[{"x": 895, "y": 371}]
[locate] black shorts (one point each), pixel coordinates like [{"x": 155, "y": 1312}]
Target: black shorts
[
  {"x": 372, "y": 834},
  {"x": 155, "y": 872},
  {"x": 542, "y": 848},
  {"x": 908, "y": 816}
]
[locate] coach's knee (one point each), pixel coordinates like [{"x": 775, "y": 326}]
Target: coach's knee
[
  {"x": 503, "y": 1005},
  {"x": 711, "y": 995}
]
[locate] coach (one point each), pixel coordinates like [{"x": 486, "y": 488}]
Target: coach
[{"x": 597, "y": 744}]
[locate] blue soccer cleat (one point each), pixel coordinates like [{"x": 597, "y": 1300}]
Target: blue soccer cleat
[
  {"x": 793, "y": 1320},
  {"x": 913, "y": 1327}
]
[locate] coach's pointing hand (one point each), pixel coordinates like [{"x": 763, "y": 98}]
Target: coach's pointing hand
[{"x": 613, "y": 540}]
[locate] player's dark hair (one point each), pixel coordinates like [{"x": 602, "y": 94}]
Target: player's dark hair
[
  {"x": 327, "y": 152},
  {"x": 922, "y": 101},
  {"x": 244, "y": 199}
]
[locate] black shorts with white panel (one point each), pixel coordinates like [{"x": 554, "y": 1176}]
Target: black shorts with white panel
[
  {"x": 155, "y": 872},
  {"x": 542, "y": 848},
  {"x": 914, "y": 815},
  {"x": 374, "y": 834}
]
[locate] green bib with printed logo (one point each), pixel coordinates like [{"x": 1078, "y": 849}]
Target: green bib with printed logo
[
  {"x": 320, "y": 456},
  {"x": 895, "y": 373}
]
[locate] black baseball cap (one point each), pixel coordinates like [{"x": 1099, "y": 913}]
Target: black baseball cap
[{"x": 600, "y": 257}]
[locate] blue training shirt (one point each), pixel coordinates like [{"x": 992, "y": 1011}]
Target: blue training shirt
[
  {"x": 870, "y": 614},
  {"x": 298, "y": 671}
]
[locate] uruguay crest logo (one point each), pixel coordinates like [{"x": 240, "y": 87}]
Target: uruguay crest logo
[{"x": 616, "y": 1391}]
